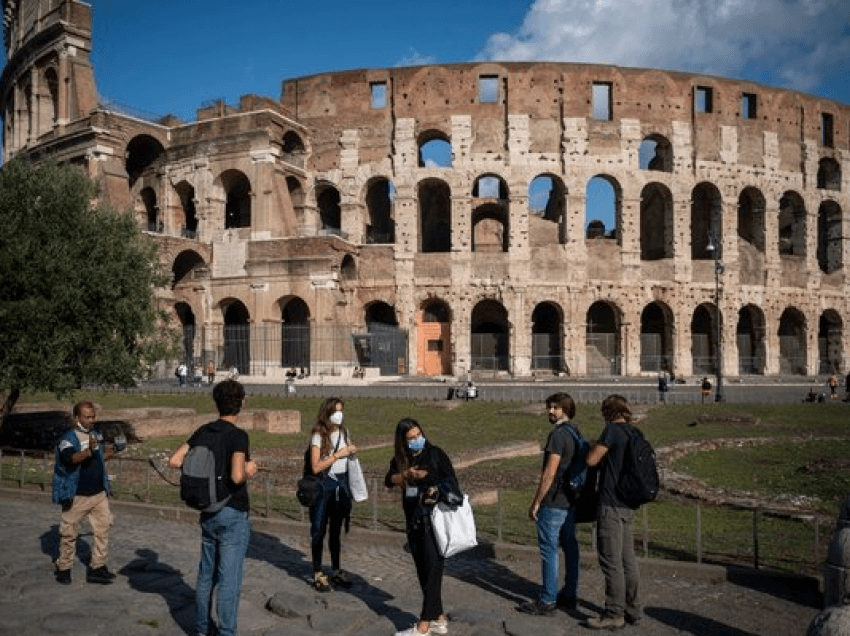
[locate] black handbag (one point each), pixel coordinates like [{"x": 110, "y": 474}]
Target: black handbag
[{"x": 310, "y": 486}]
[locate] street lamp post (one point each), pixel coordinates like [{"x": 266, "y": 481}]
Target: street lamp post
[{"x": 714, "y": 247}]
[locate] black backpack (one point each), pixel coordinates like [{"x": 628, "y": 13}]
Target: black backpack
[
  {"x": 638, "y": 482},
  {"x": 202, "y": 480},
  {"x": 579, "y": 481}
]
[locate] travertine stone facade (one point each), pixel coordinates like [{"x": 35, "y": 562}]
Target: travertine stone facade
[{"x": 445, "y": 212}]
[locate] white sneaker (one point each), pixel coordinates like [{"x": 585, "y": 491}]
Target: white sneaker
[
  {"x": 440, "y": 626},
  {"x": 413, "y": 631}
]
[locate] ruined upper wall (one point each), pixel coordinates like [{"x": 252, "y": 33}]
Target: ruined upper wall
[
  {"x": 24, "y": 20},
  {"x": 550, "y": 94}
]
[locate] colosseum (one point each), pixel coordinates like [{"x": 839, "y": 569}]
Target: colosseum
[{"x": 436, "y": 220}]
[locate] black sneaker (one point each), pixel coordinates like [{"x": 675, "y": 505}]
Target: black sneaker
[
  {"x": 100, "y": 575},
  {"x": 537, "y": 608},
  {"x": 63, "y": 577}
]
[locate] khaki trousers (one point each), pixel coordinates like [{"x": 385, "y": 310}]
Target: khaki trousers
[{"x": 96, "y": 508}]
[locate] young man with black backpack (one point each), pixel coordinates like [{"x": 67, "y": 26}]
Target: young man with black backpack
[
  {"x": 225, "y": 531},
  {"x": 551, "y": 511},
  {"x": 614, "y": 537}
]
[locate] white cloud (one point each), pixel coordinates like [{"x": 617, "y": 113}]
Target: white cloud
[
  {"x": 415, "y": 58},
  {"x": 792, "y": 43}
]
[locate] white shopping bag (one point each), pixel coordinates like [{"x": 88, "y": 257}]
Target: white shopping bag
[
  {"x": 356, "y": 481},
  {"x": 454, "y": 528}
]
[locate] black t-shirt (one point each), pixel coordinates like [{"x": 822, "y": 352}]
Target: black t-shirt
[
  {"x": 614, "y": 437},
  {"x": 434, "y": 460},
  {"x": 561, "y": 443},
  {"x": 233, "y": 440}
]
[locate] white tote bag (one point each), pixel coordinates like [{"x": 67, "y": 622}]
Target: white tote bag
[
  {"x": 356, "y": 481},
  {"x": 454, "y": 528}
]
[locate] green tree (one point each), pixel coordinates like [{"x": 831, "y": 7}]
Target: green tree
[{"x": 78, "y": 291}]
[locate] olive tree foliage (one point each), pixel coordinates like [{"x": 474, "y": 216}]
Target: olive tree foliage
[{"x": 77, "y": 286}]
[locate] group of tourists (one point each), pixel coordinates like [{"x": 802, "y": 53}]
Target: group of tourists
[{"x": 421, "y": 471}]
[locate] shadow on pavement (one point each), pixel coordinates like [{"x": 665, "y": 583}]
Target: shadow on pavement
[
  {"x": 149, "y": 575},
  {"x": 694, "y": 624},
  {"x": 479, "y": 567},
  {"x": 50, "y": 545},
  {"x": 794, "y": 588}
]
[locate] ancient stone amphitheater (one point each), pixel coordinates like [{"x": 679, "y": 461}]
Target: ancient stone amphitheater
[{"x": 525, "y": 219}]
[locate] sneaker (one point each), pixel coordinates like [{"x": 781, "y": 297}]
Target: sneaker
[
  {"x": 341, "y": 579},
  {"x": 537, "y": 608},
  {"x": 100, "y": 575},
  {"x": 567, "y": 603},
  {"x": 606, "y": 621},
  {"x": 413, "y": 631},
  {"x": 63, "y": 577},
  {"x": 440, "y": 626},
  {"x": 321, "y": 583}
]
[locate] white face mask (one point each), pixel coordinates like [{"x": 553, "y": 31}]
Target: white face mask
[{"x": 336, "y": 418}]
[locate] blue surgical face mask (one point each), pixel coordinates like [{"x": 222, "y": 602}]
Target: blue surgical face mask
[
  {"x": 416, "y": 444},
  {"x": 336, "y": 418}
]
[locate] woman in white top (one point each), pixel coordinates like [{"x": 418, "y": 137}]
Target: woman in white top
[{"x": 330, "y": 447}]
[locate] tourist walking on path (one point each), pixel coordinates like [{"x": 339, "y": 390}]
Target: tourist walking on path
[
  {"x": 330, "y": 448},
  {"x": 81, "y": 487},
  {"x": 225, "y": 533},
  {"x": 614, "y": 537},
  {"x": 833, "y": 386},
  {"x": 425, "y": 474},
  {"x": 550, "y": 510},
  {"x": 705, "y": 388}
]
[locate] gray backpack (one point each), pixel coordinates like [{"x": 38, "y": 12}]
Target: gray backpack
[{"x": 202, "y": 485}]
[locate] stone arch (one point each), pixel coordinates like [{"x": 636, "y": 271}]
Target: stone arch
[
  {"x": 656, "y": 153},
  {"x": 330, "y": 213},
  {"x": 792, "y": 342},
  {"x": 830, "y": 237},
  {"x": 751, "y": 217},
  {"x": 143, "y": 153},
  {"x": 379, "y": 312},
  {"x": 750, "y": 339},
  {"x": 238, "y": 195},
  {"x": 547, "y": 204},
  {"x": 348, "y": 268},
  {"x": 380, "y": 199},
  {"x": 434, "y": 149},
  {"x": 237, "y": 335},
  {"x": 150, "y": 210},
  {"x": 186, "y": 266},
  {"x": 435, "y": 215},
  {"x": 49, "y": 107},
  {"x": 298, "y": 198},
  {"x": 188, "y": 206},
  {"x": 603, "y": 202},
  {"x": 292, "y": 149},
  {"x": 295, "y": 334},
  {"x": 603, "y": 339},
  {"x": 706, "y": 222},
  {"x": 186, "y": 318},
  {"x": 656, "y": 338},
  {"x": 830, "y": 336},
  {"x": 434, "y": 338},
  {"x": 704, "y": 329},
  {"x": 547, "y": 337},
  {"x": 792, "y": 225},
  {"x": 656, "y": 222},
  {"x": 829, "y": 174},
  {"x": 490, "y": 336},
  {"x": 490, "y": 214}
]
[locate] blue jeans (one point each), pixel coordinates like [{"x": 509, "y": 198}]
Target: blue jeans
[
  {"x": 329, "y": 515},
  {"x": 556, "y": 529},
  {"x": 224, "y": 544}
]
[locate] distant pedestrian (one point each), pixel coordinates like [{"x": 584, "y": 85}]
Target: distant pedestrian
[
  {"x": 182, "y": 373},
  {"x": 422, "y": 471},
  {"x": 663, "y": 387},
  {"x": 833, "y": 386},
  {"x": 705, "y": 388},
  {"x": 225, "y": 533},
  {"x": 614, "y": 536},
  {"x": 210, "y": 371},
  {"x": 81, "y": 487}
]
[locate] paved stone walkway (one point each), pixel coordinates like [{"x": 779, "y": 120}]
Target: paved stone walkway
[{"x": 156, "y": 559}]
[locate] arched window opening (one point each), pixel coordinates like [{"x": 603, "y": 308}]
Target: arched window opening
[
  {"x": 295, "y": 336},
  {"x": 435, "y": 216},
  {"x": 792, "y": 225},
  {"x": 792, "y": 343},
  {"x": 237, "y": 208},
  {"x": 330, "y": 213},
  {"x": 830, "y": 237},
  {"x": 435, "y": 150},
  {"x": 603, "y": 344},
  {"x": 703, "y": 330},
  {"x": 187, "y": 333},
  {"x": 152, "y": 220},
  {"x": 436, "y": 311},
  {"x": 490, "y": 229},
  {"x": 490, "y": 337},
  {"x": 143, "y": 153},
  {"x": 237, "y": 337},
  {"x": 602, "y": 208},
  {"x": 750, "y": 337},
  {"x": 546, "y": 338},
  {"x": 385, "y": 345},
  {"x": 706, "y": 227},
  {"x": 547, "y": 201},
  {"x": 186, "y": 192},
  {"x": 751, "y": 219},
  {"x": 656, "y": 223},
  {"x": 656, "y": 153},
  {"x": 292, "y": 149},
  {"x": 829, "y": 174},
  {"x": 187, "y": 266},
  {"x": 52, "y": 108},
  {"x": 830, "y": 357},
  {"x": 380, "y": 198},
  {"x": 490, "y": 186},
  {"x": 656, "y": 339},
  {"x": 348, "y": 269},
  {"x": 296, "y": 195}
]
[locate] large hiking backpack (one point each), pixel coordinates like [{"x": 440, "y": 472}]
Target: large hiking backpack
[
  {"x": 638, "y": 482},
  {"x": 202, "y": 486}
]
